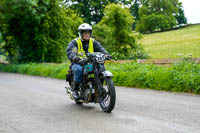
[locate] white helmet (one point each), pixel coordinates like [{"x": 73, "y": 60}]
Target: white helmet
[{"x": 83, "y": 28}]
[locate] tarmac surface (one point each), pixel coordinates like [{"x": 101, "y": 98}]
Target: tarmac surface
[{"x": 30, "y": 104}]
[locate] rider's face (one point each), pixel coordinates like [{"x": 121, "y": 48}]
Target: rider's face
[{"x": 86, "y": 35}]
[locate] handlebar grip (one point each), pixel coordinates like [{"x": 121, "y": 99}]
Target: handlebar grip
[{"x": 108, "y": 57}]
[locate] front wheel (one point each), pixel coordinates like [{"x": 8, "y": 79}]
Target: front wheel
[
  {"x": 78, "y": 102},
  {"x": 108, "y": 97}
]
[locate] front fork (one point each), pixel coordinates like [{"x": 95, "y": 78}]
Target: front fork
[
  {"x": 99, "y": 82},
  {"x": 102, "y": 74}
]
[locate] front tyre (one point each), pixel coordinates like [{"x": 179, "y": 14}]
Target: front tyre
[
  {"x": 108, "y": 97},
  {"x": 78, "y": 102}
]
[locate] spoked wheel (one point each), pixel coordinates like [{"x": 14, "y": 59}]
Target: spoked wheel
[{"x": 108, "y": 98}]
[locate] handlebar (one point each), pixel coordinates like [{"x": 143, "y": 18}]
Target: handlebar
[{"x": 109, "y": 57}]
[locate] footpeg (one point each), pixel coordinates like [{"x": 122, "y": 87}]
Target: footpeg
[{"x": 69, "y": 91}]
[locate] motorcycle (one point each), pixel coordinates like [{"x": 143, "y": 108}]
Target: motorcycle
[{"x": 96, "y": 84}]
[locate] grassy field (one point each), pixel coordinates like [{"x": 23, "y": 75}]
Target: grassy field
[{"x": 173, "y": 44}]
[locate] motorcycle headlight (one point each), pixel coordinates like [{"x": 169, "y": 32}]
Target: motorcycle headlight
[{"x": 100, "y": 58}]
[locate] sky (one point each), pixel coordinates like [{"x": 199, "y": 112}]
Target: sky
[{"x": 191, "y": 10}]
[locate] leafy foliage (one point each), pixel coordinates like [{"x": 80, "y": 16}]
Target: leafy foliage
[
  {"x": 183, "y": 77},
  {"x": 114, "y": 31},
  {"x": 134, "y": 9},
  {"x": 1, "y": 41},
  {"x": 39, "y": 30},
  {"x": 46, "y": 70},
  {"x": 91, "y": 10},
  {"x": 158, "y": 15},
  {"x": 155, "y": 21},
  {"x": 36, "y": 30},
  {"x": 180, "y": 16}
]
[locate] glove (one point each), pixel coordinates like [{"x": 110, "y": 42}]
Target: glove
[
  {"x": 76, "y": 59},
  {"x": 108, "y": 56},
  {"x": 82, "y": 62}
]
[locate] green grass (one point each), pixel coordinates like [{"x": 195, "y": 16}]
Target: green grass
[
  {"x": 183, "y": 77},
  {"x": 171, "y": 43},
  {"x": 46, "y": 70}
]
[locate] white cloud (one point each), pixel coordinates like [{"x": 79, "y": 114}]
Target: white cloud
[{"x": 192, "y": 10}]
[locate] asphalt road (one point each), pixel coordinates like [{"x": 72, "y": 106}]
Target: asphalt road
[{"x": 31, "y": 104}]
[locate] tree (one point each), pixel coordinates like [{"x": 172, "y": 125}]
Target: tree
[
  {"x": 91, "y": 10},
  {"x": 157, "y": 15},
  {"x": 114, "y": 31},
  {"x": 1, "y": 45},
  {"x": 36, "y": 30},
  {"x": 180, "y": 16},
  {"x": 134, "y": 8}
]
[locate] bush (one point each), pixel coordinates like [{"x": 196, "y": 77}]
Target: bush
[
  {"x": 46, "y": 70},
  {"x": 157, "y": 15},
  {"x": 115, "y": 33},
  {"x": 184, "y": 77},
  {"x": 37, "y": 31}
]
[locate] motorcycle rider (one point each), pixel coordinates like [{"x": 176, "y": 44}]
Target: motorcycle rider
[{"x": 77, "y": 49}]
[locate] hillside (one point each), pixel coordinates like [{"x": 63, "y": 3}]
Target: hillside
[{"x": 173, "y": 44}]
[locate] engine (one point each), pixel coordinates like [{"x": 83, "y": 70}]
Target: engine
[{"x": 88, "y": 92}]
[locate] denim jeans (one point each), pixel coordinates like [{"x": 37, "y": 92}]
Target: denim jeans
[{"x": 77, "y": 71}]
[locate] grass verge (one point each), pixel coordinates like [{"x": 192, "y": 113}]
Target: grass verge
[{"x": 183, "y": 77}]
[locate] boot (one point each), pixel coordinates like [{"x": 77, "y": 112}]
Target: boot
[{"x": 75, "y": 92}]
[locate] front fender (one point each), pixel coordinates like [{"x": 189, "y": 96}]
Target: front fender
[{"x": 107, "y": 74}]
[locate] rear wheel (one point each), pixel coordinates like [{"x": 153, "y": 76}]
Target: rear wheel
[{"x": 108, "y": 97}]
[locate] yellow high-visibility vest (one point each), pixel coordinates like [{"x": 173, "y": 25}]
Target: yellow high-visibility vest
[{"x": 80, "y": 51}]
